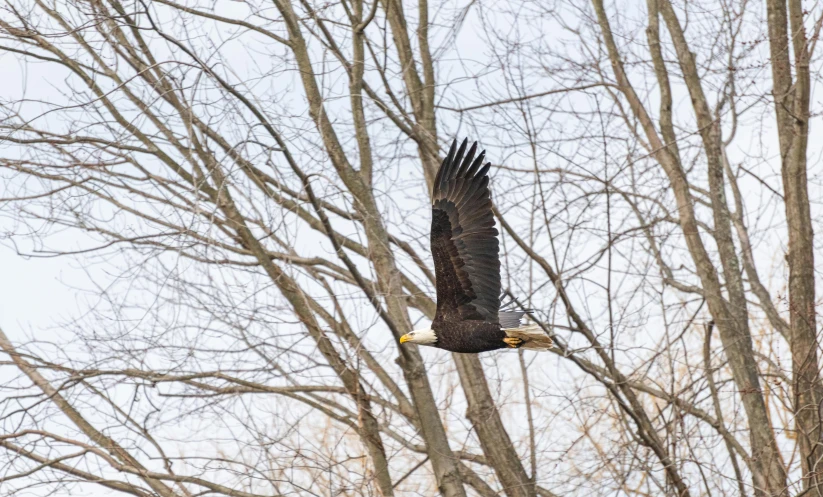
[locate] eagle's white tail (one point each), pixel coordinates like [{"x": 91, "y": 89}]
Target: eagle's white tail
[{"x": 533, "y": 336}]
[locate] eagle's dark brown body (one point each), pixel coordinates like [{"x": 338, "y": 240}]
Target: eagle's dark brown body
[{"x": 469, "y": 337}]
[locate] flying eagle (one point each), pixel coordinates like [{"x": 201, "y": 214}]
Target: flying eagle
[{"x": 467, "y": 265}]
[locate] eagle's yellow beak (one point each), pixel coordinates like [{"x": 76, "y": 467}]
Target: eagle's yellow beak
[{"x": 405, "y": 338}]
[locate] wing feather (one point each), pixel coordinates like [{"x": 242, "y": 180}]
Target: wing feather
[{"x": 463, "y": 238}]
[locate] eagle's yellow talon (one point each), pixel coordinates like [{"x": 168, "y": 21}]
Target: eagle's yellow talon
[{"x": 512, "y": 342}]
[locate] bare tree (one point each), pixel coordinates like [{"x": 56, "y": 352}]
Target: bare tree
[{"x": 248, "y": 183}]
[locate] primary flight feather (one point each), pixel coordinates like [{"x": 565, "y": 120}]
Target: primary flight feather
[{"x": 466, "y": 255}]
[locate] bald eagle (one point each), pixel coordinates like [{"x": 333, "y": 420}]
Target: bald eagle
[{"x": 467, "y": 265}]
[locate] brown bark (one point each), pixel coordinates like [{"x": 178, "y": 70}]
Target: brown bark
[
  {"x": 662, "y": 75},
  {"x": 737, "y": 336},
  {"x": 420, "y": 94},
  {"x": 356, "y": 92},
  {"x": 485, "y": 419},
  {"x": 718, "y": 410},
  {"x": 791, "y": 100},
  {"x": 768, "y": 472}
]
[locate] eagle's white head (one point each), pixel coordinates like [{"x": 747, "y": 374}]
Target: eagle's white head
[{"x": 420, "y": 337}]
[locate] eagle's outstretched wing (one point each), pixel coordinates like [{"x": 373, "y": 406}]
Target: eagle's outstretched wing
[{"x": 464, "y": 240}]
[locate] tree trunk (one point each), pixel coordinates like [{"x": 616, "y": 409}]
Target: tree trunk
[{"x": 791, "y": 100}]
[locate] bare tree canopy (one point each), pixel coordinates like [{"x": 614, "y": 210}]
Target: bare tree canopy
[{"x": 248, "y": 185}]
